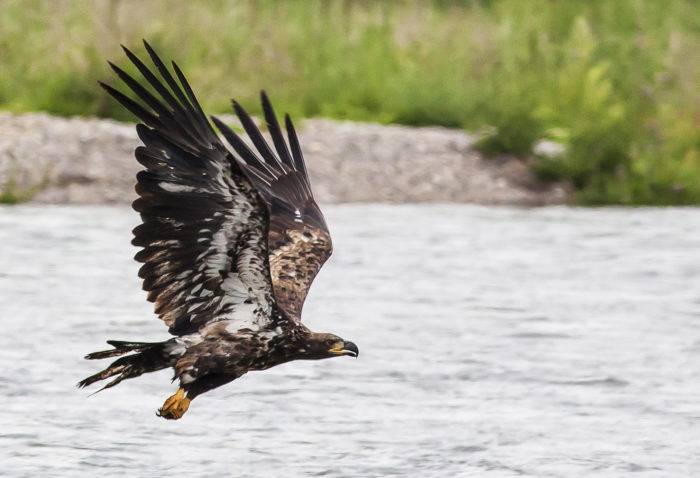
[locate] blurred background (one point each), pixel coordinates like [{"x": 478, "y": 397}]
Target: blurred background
[
  {"x": 498, "y": 338},
  {"x": 614, "y": 83}
]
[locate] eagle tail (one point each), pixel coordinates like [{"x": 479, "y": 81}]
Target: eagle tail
[
  {"x": 120, "y": 348},
  {"x": 148, "y": 357}
]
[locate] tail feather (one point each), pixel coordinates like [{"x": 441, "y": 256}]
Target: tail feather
[
  {"x": 149, "y": 357},
  {"x": 106, "y": 373},
  {"x": 120, "y": 348},
  {"x": 123, "y": 374}
]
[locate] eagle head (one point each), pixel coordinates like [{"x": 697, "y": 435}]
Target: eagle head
[{"x": 319, "y": 346}]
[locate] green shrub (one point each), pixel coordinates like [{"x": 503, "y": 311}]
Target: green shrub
[{"x": 615, "y": 82}]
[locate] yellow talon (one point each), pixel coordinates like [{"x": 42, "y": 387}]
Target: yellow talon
[{"x": 175, "y": 406}]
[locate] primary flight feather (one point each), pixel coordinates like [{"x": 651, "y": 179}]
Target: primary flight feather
[{"x": 231, "y": 242}]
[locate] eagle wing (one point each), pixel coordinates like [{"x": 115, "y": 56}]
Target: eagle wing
[
  {"x": 298, "y": 239},
  {"x": 204, "y": 231}
]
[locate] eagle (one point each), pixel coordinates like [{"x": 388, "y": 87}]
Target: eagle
[{"x": 231, "y": 239}]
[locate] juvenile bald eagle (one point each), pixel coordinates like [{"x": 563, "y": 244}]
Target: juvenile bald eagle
[{"x": 231, "y": 241}]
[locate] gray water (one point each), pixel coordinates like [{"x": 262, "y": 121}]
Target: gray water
[{"x": 494, "y": 342}]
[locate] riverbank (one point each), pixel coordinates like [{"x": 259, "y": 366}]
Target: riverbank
[
  {"x": 614, "y": 83},
  {"x": 47, "y": 159}
]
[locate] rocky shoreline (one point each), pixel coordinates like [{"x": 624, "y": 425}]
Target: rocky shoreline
[{"x": 55, "y": 160}]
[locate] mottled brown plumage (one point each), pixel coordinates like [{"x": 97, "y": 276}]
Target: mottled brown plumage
[
  {"x": 297, "y": 253},
  {"x": 231, "y": 242}
]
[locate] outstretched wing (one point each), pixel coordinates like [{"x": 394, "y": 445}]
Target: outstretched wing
[
  {"x": 298, "y": 239},
  {"x": 204, "y": 227}
]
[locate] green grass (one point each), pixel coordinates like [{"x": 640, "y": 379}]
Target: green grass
[
  {"x": 616, "y": 82},
  {"x": 12, "y": 193}
]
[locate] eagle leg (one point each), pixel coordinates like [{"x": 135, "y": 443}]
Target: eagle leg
[{"x": 175, "y": 406}]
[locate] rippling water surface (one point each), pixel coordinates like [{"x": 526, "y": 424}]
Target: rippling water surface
[{"x": 494, "y": 342}]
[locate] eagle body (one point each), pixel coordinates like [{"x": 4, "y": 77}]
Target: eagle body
[{"x": 231, "y": 240}]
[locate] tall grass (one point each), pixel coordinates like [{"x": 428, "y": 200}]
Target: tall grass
[{"x": 615, "y": 82}]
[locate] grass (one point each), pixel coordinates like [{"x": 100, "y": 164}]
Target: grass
[
  {"x": 615, "y": 82},
  {"x": 13, "y": 193}
]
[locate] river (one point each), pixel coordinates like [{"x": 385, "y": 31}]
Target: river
[{"x": 493, "y": 342}]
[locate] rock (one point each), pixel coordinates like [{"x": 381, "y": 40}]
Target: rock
[
  {"x": 74, "y": 160},
  {"x": 88, "y": 161},
  {"x": 549, "y": 149}
]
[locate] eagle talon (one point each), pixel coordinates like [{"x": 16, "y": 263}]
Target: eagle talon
[{"x": 175, "y": 406}]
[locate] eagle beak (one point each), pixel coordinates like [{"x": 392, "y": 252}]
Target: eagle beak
[{"x": 345, "y": 348}]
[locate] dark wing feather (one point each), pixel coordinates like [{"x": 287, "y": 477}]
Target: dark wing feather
[
  {"x": 203, "y": 236},
  {"x": 298, "y": 239}
]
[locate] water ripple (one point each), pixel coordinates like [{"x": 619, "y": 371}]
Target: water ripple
[{"x": 496, "y": 342}]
